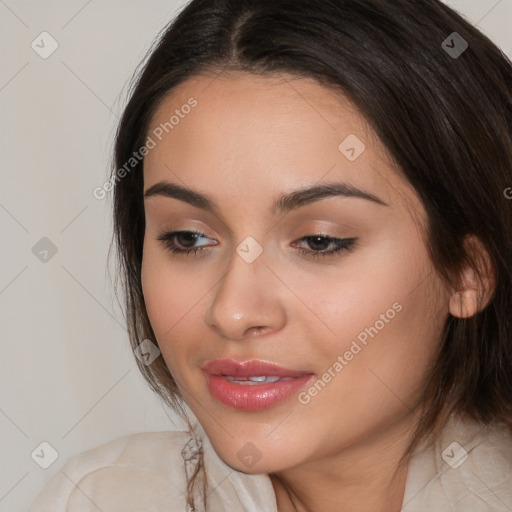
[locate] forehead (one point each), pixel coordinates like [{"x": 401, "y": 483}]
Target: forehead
[
  {"x": 260, "y": 134},
  {"x": 249, "y": 106}
]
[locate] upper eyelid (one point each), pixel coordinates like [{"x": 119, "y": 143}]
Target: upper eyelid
[
  {"x": 318, "y": 232},
  {"x": 323, "y": 231},
  {"x": 327, "y": 217}
]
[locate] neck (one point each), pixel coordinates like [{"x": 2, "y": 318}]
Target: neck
[{"x": 368, "y": 476}]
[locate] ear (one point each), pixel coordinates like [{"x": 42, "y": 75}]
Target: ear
[{"x": 471, "y": 294}]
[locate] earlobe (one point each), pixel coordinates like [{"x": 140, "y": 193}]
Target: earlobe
[
  {"x": 472, "y": 294},
  {"x": 464, "y": 300}
]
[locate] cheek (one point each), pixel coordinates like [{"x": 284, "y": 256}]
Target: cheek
[
  {"x": 157, "y": 298},
  {"x": 383, "y": 318},
  {"x": 376, "y": 364},
  {"x": 174, "y": 297},
  {"x": 166, "y": 294},
  {"x": 368, "y": 287}
]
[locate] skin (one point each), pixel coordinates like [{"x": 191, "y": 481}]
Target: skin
[{"x": 247, "y": 141}]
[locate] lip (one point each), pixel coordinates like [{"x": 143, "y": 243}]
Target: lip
[
  {"x": 257, "y": 396},
  {"x": 253, "y": 367}
]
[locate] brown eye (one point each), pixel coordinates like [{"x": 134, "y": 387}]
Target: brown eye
[
  {"x": 181, "y": 242},
  {"x": 319, "y": 243}
]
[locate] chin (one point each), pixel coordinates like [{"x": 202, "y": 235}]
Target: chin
[
  {"x": 250, "y": 458},
  {"x": 262, "y": 466}
]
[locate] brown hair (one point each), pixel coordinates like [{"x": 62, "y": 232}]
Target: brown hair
[{"x": 445, "y": 119}]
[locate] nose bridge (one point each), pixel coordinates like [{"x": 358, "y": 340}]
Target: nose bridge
[{"x": 243, "y": 299}]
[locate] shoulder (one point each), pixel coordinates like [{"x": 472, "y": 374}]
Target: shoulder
[
  {"x": 148, "y": 471},
  {"x": 468, "y": 468},
  {"x": 136, "y": 472}
]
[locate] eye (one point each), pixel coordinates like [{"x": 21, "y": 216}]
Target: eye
[
  {"x": 319, "y": 244},
  {"x": 181, "y": 242}
]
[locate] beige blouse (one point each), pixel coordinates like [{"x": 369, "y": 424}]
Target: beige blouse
[{"x": 468, "y": 469}]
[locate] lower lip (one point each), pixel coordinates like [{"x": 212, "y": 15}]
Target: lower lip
[{"x": 254, "y": 397}]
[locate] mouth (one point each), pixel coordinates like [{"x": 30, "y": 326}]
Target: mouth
[{"x": 254, "y": 384}]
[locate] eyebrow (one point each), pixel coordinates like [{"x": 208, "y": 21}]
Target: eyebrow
[{"x": 282, "y": 204}]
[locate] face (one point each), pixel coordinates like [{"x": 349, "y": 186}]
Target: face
[{"x": 334, "y": 286}]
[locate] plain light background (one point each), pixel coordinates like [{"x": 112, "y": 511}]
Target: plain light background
[{"x": 67, "y": 374}]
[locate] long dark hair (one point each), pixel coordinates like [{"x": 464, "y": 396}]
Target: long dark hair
[{"x": 442, "y": 110}]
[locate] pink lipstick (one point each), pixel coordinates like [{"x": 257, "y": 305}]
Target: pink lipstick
[{"x": 252, "y": 385}]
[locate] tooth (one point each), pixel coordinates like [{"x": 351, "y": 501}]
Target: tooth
[
  {"x": 255, "y": 380},
  {"x": 273, "y": 379}
]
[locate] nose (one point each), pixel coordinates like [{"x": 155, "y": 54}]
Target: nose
[{"x": 246, "y": 301}]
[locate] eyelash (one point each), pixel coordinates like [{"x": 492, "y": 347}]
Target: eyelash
[{"x": 342, "y": 244}]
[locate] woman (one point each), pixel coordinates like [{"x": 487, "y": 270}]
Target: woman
[{"x": 314, "y": 231}]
